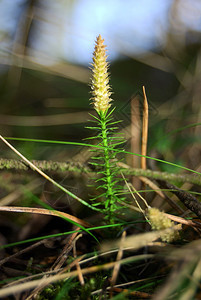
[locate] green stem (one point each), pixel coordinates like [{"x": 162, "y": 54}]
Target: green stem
[{"x": 109, "y": 193}]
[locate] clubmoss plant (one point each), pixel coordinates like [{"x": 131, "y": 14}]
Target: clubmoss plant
[{"x": 105, "y": 162}]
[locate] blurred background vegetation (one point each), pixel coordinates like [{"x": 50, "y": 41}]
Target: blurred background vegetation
[{"x": 45, "y": 54}]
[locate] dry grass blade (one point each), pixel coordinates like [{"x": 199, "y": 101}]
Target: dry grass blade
[
  {"x": 137, "y": 241},
  {"x": 35, "y": 168},
  {"x": 39, "y": 289},
  {"x": 80, "y": 276},
  {"x": 67, "y": 248},
  {"x": 121, "y": 288},
  {"x": 117, "y": 265},
  {"x": 183, "y": 221},
  {"x": 30, "y": 285},
  {"x": 185, "y": 277},
  {"x": 43, "y": 211},
  {"x": 20, "y": 252},
  {"x": 152, "y": 185}
]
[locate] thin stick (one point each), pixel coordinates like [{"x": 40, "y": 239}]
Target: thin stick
[
  {"x": 64, "y": 254},
  {"x": 20, "y": 252},
  {"x": 79, "y": 271},
  {"x": 128, "y": 186},
  {"x": 135, "y": 136},
  {"x": 144, "y": 131},
  {"x": 117, "y": 265}
]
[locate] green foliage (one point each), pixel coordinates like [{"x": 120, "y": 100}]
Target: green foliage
[
  {"x": 58, "y": 291},
  {"x": 71, "y": 289},
  {"x": 105, "y": 164}
]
